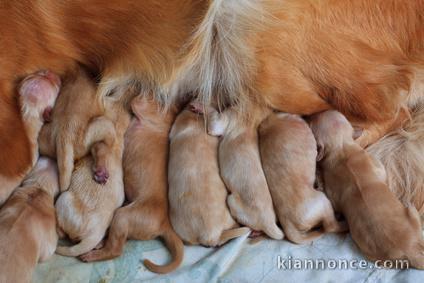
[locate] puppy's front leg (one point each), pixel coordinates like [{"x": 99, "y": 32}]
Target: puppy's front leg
[
  {"x": 65, "y": 163},
  {"x": 46, "y": 143}
]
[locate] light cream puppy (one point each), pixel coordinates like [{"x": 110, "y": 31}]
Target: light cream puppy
[
  {"x": 37, "y": 96},
  {"x": 145, "y": 164},
  {"x": 380, "y": 225},
  {"x": 288, "y": 153},
  {"x": 197, "y": 194},
  {"x": 28, "y": 224},
  {"x": 240, "y": 166},
  {"x": 78, "y": 123},
  {"x": 85, "y": 211}
]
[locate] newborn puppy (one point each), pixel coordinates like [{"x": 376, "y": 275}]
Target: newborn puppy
[
  {"x": 380, "y": 225},
  {"x": 240, "y": 167},
  {"x": 145, "y": 164},
  {"x": 197, "y": 194},
  {"x": 28, "y": 224},
  {"x": 77, "y": 124},
  {"x": 288, "y": 153},
  {"x": 37, "y": 96},
  {"x": 85, "y": 211}
]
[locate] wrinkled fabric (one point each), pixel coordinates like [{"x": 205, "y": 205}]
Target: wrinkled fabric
[{"x": 240, "y": 260}]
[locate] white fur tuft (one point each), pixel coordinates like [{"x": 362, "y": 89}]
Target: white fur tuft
[{"x": 220, "y": 59}]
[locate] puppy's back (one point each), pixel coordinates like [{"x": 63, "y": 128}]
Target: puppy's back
[{"x": 28, "y": 233}]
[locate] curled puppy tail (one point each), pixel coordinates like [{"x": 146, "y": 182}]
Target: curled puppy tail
[
  {"x": 82, "y": 247},
  {"x": 273, "y": 232},
  {"x": 232, "y": 233},
  {"x": 176, "y": 247}
]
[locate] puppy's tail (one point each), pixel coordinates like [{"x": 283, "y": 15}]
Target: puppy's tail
[
  {"x": 232, "y": 233},
  {"x": 402, "y": 154},
  {"x": 176, "y": 247},
  {"x": 86, "y": 245}
]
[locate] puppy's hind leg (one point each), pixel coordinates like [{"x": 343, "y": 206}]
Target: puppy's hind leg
[
  {"x": 273, "y": 231},
  {"x": 99, "y": 129},
  {"x": 118, "y": 233},
  {"x": 232, "y": 233},
  {"x": 65, "y": 163}
]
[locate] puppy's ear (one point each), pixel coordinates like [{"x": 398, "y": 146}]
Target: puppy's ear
[{"x": 321, "y": 152}]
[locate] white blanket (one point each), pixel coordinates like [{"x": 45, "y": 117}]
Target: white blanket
[{"x": 238, "y": 261}]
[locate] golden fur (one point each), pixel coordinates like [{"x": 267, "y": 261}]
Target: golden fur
[
  {"x": 78, "y": 124},
  {"x": 146, "y": 188},
  {"x": 288, "y": 154},
  {"x": 28, "y": 224},
  {"x": 37, "y": 95},
  {"x": 240, "y": 166},
  {"x": 85, "y": 210},
  {"x": 381, "y": 226},
  {"x": 298, "y": 56},
  {"x": 197, "y": 194}
]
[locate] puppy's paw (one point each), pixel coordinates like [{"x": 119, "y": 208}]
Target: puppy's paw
[
  {"x": 89, "y": 257},
  {"x": 101, "y": 175}
]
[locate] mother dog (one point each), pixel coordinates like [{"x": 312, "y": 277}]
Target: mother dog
[{"x": 361, "y": 57}]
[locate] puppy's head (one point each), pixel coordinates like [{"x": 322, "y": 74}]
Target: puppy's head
[
  {"x": 38, "y": 93},
  {"x": 146, "y": 107},
  {"x": 331, "y": 130}
]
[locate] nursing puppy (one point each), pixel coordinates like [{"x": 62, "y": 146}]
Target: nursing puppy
[
  {"x": 85, "y": 211},
  {"x": 145, "y": 164},
  {"x": 197, "y": 194},
  {"x": 37, "y": 96},
  {"x": 28, "y": 224},
  {"x": 77, "y": 124},
  {"x": 380, "y": 225},
  {"x": 288, "y": 153},
  {"x": 240, "y": 166}
]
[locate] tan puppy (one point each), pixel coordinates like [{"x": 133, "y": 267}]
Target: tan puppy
[
  {"x": 85, "y": 211},
  {"x": 77, "y": 124},
  {"x": 197, "y": 194},
  {"x": 37, "y": 96},
  {"x": 380, "y": 225},
  {"x": 145, "y": 164},
  {"x": 240, "y": 167},
  {"x": 288, "y": 153},
  {"x": 28, "y": 224}
]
